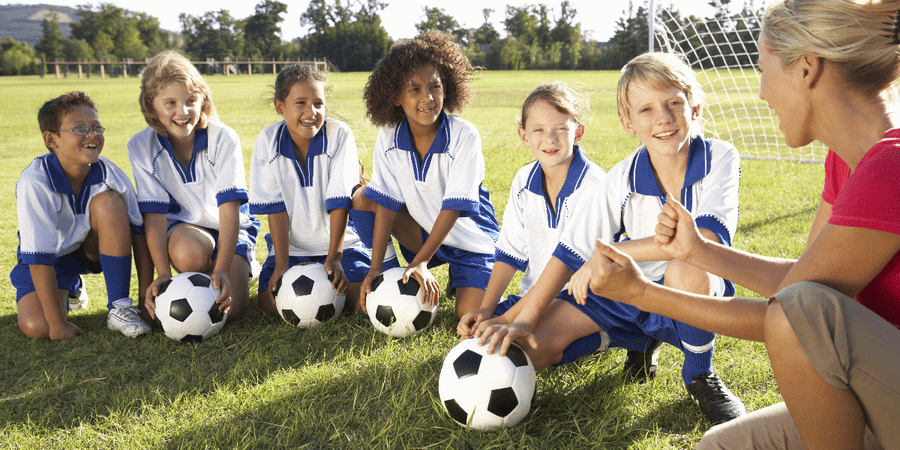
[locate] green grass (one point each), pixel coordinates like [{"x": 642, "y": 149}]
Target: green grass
[{"x": 263, "y": 384}]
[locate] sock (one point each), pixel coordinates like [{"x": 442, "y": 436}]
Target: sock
[
  {"x": 635, "y": 342},
  {"x": 117, "y": 273},
  {"x": 364, "y": 224},
  {"x": 581, "y": 347},
  {"x": 697, "y": 346}
]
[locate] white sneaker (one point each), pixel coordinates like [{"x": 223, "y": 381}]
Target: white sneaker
[
  {"x": 124, "y": 318},
  {"x": 78, "y": 299},
  {"x": 255, "y": 269}
]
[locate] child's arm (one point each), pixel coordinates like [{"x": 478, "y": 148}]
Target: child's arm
[
  {"x": 158, "y": 245},
  {"x": 518, "y": 322},
  {"x": 338, "y": 218},
  {"x": 384, "y": 219},
  {"x": 229, "y": 222},
  {"x": 501, "y": 275},
  {"x": 279, "y": 228},
  {"x": 44, "y": 279},
  {"x": 418, "y": 267}
]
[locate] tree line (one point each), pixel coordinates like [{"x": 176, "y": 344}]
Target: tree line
[{"x": 349, "y": 34}]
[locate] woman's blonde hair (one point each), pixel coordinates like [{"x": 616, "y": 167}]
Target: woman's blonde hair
[
  {"x": 167, "y": 67},
  {"x": 560, "y": 96},
  {"x": 660, "y": 71},
  {"x": 859, "y": 36}
]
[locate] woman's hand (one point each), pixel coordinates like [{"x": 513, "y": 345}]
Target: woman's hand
[{"x": 615, "y": 275}]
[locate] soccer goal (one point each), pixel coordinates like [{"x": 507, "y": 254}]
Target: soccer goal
[{"x": 723, "y": 52}]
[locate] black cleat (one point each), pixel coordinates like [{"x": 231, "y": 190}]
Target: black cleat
[
  {"x": 716, "y": 402},
  {"x": 642, "y": 366}
]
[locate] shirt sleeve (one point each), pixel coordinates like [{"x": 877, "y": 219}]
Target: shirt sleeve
[
  {"x": 466, "y": 173},
  {"x": 265, "y": 194},
  {"x": 577, "y": 241},
  {"x": 152, "y": 196},
  {"x": 228, "y": 159},
  {"x": 343, "y": 166},
  {"x": 512, "y": 246},
  {"x": 119, "y": 182},
  {"x": 855, "y": 205},
  {"x": 37, "y": 217},
  {"x": 836, "y": 173},
  {"x": 717, "y": 207},
  {"x": 384, "y": 188}
]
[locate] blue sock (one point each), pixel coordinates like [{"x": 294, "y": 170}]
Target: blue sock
[
  {"x": 117, "y": 273},
  {"x": 697, "y": 346},
  {"x": 636, "y": 342},
  {"x": 581, "y": 347},
  {"x": 364, "y": 224}
]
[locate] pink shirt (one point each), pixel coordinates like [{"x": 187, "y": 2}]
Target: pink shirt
[{"x": 870, "y": 198}]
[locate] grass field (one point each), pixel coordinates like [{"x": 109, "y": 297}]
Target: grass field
[{"x": 263, "y": 384}]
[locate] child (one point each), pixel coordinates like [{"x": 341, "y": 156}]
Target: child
[
  {"x": 189, "y": 173},
  {"x": 428, "y": 170},
  {"x": 302, "y": 174},
  {"x": 659, "y": 100},
  {"x": 74, "y": 208}
]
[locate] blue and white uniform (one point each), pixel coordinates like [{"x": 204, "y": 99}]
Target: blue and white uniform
[
  {"x": 449, "y": 177},
  {"x": 192, "y": 194},
  {"x": 54, "y": 220},
  {"x": 308, "y": 191},
  {"x": 633, "y": 202}
]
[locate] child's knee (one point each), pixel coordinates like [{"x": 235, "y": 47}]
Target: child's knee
[
  {"x": 360, "y": 202},
  {"x": 108, "y": 203},
  {"x": 685, "y": 277},
  {"x": 33, "y": 327}
]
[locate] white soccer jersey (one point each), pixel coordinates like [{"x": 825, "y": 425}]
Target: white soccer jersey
[
  {"x": 192, "y": 194},
  {"x": 635, "y": 199},
  {"x": 308, "y": 191},
  {"x": 53, "y": 219},
  {"x": 449, "y": 177},
  {"x": 531, "y": 229}
]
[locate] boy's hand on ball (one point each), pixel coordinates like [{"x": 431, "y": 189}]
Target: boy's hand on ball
[
  {"x": 220, "y": 281},
  {"x": 430, "y": 288},
  {"x": 470, "y": 321},
  {"x": 152, "y": 292},
  {"x": 335, "y": 272},
  {"x": 504, "y": 336}
]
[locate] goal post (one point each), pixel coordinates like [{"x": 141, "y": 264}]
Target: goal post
[{"x": 723, "y": 51}]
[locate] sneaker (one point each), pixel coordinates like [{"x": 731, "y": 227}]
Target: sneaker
[
  {"x": 255, "y": 269},
  {"x": 716, "y": 402},
  {"x": 124, "y": 318},
  {"x": 642, "y": 366},
  {"x": 79, "y": 298}
]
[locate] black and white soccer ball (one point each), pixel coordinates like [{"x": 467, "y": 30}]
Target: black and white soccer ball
[
  {"x": 186, "y": 308},
  {"x": 395, "y": 308},
  {"x": 304, "y": 297},
  {"x": 486, "y": 391}
]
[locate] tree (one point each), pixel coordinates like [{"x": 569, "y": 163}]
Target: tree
[
  {"x": 52, "y": 41},
  {"x": 17, "y": 58},
  {"x": 437, "y": 19},
  {"x": 133, "y": 35},
  {"x": 212, "y": 35},
  {"x": 350, "y": 39},
  {"x": 262, "y": 30},
  {"x": 486, "y": 34}
]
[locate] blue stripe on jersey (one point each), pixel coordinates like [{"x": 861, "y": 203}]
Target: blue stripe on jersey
[
  {"x": 519, "y": 264},
  {"x": 713, "y": 224},
  {"x": 230, "y": 195},
  {"x": 59, "y": 183},
  {"x": 383, "y": 200},
  {"x": 485, "y": 219},
  {"x": 403, "y": 141},
  {"x": 578, "y": 168},
  {"x": 466, "y": 207},
  {"x": 267, "y": 208},
  {"x": 153, "y": 207},
  {"x": 337, "y": 203},
  {"x": 568, "y": 257},
  {"x": 201, "y": 142},
  {"x": 699, "y": 164},
  {"x": 284, "y": 146}
]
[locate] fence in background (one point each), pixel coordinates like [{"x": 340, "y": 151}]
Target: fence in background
[{"x": 129, "y": 67}]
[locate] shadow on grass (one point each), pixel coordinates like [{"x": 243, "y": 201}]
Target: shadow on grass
[{"x": 751, "y": 227}]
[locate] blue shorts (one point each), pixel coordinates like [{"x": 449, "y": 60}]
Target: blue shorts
[
  {"x": 355, "y": 262},
  {"x": 467, "y": 269},
  {"x": 244, "y": 246},
  {"x": 68, "y": 270}
]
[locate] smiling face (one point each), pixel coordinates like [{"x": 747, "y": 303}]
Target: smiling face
[
  {"x": 551, "y": 135},
  {"x": 178, "y": 110},
  {"x": 422, "y": 98},
  {"x": 71, "y": 149},
  {"x": 661, "y": 118},
  {"x": 303, "y": 110},
  {"x": 780, "y": 89}
]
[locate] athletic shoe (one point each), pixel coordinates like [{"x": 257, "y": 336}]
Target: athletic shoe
[
  {"x": 716, "y": 402},
  {"x": 255, "y": 269},
  {"x": 125, "y": 318},
  {"x": 79, "y": 298},
  {"x": 642, "y": 366}
]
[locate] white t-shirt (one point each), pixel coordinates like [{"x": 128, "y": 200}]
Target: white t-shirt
[{"x": 279, "y": 182}]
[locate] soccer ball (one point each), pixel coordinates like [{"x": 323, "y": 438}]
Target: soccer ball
[
  {"x": 395, "y": 308},
  {"x": 186, "y": 308},
  {"x": 486, "y": 391},
  {"x": 304, "y": 297}
]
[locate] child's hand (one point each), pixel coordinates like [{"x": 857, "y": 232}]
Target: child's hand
[
  {"x": 277, "y": 273},
  {"x": 67, "y": 330},
  {"x": 336, "y": 272},
  {"x": 505, "y": 334},
  {"x": 581, "y": 281},
  {"x": 676, "y": 233},
  {"x": 152, "y": 292},
  {"x": 366, "y": 287},
  {"x": 615, "y": 275},
  {"x": 470, "y": 321},
  {"x": 426, "y": 280},
  {"x": 221, "y": 281}
]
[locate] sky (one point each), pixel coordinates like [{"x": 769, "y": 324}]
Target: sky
[{"x": 399, "y": 18}]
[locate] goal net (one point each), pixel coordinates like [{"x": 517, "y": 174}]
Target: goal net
[{"x": 723, "y": 52}]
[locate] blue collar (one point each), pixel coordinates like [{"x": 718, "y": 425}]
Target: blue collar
[
  {"x": 201, "y": 142},
  {"x": 577, "y": 169},
  {"x": 285, "y": 145},
  {"x": 403, "y": 137},
  {"x": 58, "y": 181},
  {"x": 699, "y": 164}
]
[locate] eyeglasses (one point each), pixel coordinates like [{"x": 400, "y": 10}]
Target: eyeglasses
[{"x": 82, "y": 130}]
